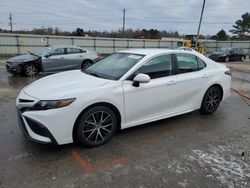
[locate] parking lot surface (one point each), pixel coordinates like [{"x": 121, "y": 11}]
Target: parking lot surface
[{"x": 190, "y": 150}]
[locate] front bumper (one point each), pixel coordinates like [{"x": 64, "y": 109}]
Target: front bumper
[
  {"x": 34, "y": 130},
  {"x": 13, "y": 68},
  {"x": 54, "y": 126}
]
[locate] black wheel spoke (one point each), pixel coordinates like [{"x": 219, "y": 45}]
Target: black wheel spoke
[{"x": 97, "y": 127}]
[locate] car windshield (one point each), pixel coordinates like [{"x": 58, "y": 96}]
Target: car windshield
[
  {"x": 224, "y": 49},
  {"x": 114, "y": 66},
  {"x": 43, "y": 51}
]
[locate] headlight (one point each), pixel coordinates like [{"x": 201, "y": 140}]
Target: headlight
[{"x": 51, "y": 104}]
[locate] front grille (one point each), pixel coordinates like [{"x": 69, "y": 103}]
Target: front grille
[{"x": 35, "y": 127}]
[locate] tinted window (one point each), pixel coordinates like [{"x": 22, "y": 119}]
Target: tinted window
[
  {"x": 58, "y": 51},
  {"x": 157, "y": 67},
  {"x": 74, "y": 50},
  {"x": 187, "y": 63}
]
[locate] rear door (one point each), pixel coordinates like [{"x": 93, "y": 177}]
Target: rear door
[
  {"x": 74, "y": 58},
  {"x": 191, "y": 81}
]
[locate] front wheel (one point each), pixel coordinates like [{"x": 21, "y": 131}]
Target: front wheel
[
  {"x": 211, "y": 100},
  {"x": 30, "y": 70},
  {"x": 96, "y": 126}
]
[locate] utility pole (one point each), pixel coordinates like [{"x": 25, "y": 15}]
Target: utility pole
[
  {"x": 123, "y": 25},
  {"x": 198, "y": 32},
  {"x": 10, "y": 18}
]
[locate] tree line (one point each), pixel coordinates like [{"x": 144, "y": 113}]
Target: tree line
[{"x": 240, "y": 31}]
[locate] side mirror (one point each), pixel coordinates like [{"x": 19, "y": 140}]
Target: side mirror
[{"x": 140, "y": 78}]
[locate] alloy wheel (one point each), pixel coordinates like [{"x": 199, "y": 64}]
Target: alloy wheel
[
  {"x": 213, "y": 100},
  {"x": 98, "y": 127},
  {"x": 30, "y": 70}
]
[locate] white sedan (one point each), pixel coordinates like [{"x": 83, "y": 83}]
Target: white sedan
[{"x": 125, "y": 89}]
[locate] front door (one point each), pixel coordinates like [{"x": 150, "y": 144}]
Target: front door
[
  {"x": 55, "y": 60},
  {"x": 151, "y": 100}
]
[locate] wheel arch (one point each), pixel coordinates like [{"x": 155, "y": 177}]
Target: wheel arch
[
  {"x": 212, "y": 85},
  {"x": 35, "y": 62},
  {"x": 111, "y": 106}
]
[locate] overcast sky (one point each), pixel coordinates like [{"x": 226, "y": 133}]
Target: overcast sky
[{"x": 180, "y": 15}]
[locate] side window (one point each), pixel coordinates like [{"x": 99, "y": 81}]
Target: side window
[
  {"x": 74, "y": 50},
  {"x": 157, "y": 67},
  {"x": 201, "y": 64},
  {"x": 187, "y": 63},
  {"x": 58, "y": 51}
]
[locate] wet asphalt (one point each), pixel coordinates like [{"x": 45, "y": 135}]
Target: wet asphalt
[{"x": 190, "y": 150}]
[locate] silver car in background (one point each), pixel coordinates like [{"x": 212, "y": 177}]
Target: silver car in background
[{"x": 51, "y": 59}]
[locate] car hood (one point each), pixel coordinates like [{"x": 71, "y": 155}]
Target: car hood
[
  {"x": 63, "y": 85},
  {"x": 22, "y": 58}
]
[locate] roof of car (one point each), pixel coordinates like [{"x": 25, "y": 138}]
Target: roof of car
[
  {"x": 153, "y": 51},
  {"x": 63, "y": 46}
]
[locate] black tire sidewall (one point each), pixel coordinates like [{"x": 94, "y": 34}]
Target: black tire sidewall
[
  {"x": 84, "y": 116},
  {"x": 203, "y": 108}
]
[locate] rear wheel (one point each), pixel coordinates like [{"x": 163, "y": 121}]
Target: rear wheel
[
  {"x": 86, "y": 63},
  {"x": 211, "y": 100},
  {"x": 96, "y": 126},
  {"x": 30, "y": 70}
]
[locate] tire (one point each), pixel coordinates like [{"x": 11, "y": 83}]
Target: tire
[
  {"x": 86, "y": 64},
  {"x": 96, "y": 126},
  {"x": 227, "y": 59},
  {"x": 211, "y": 100},
  {"x": 30, "y": 70}
]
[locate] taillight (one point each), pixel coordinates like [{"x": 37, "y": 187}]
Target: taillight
[{"x": 229, "y": 73}]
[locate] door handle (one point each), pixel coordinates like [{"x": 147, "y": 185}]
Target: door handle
[
  {"x": 172, "y": 82},
  {"x": 205, "y": 76},
  {"x": 62, "y": 57}
]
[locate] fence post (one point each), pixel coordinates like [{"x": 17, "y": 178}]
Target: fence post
[
  {"x": 144, "y": 43},
  {"x": 18, "y": 44},
  {"x": 216, "y": 46},
  {"x": 113, "y": 45},
  {"x": 128, "y": 44},
  {"x": 94, "y": 44},
  {"x": 47, "y": 44},
  {"x": 171, "y": 43},
  {"x": 72, "y": 41}
]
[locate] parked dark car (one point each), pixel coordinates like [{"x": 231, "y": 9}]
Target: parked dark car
[
  {"x": 51, "y": 59},
  {"x": 228, "y": 54}
]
